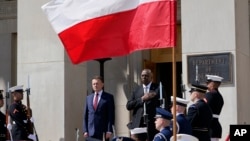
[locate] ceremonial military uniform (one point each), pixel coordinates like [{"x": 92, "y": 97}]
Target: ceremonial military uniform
[
  {"x": 3, "y": 129},
  {"x": 200, "y": 115},
  {"x": 164, "y": 127},
  {"x": 164, "y": 135},
  {"x": 215, "y": 101},
  {"x": 183, "y": 125},
  {"x": 18, "y": 114}
]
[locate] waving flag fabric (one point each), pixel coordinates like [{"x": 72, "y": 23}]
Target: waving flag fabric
[{"x": 94, "y": 29}]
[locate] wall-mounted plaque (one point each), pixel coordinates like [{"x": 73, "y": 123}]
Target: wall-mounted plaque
[{"x": 213, "y": 64}]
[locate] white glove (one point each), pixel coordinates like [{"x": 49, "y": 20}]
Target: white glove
[
  {"x": 32, "y": 119},
  {"x": 32, "y": 136},
  {"x": 9, "y": 126}
]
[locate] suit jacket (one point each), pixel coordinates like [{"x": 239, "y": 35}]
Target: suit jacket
[
  {"x": 99, "y": 121},
  {"x": 136, "y": 105}
]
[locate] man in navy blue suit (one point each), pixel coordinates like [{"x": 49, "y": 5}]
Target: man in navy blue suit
[{"x": 99, "y": 112}]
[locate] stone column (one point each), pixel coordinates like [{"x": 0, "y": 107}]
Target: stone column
[
  {"x": 58, "y": 88},
  {"x": 212, "y": 26},
  {"x": 8, "y": 29}
]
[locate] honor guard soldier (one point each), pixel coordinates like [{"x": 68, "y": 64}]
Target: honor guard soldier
[
  {"x": 183, "y": 125},
  {"x": 199, "y": 113},
  {"x": 215, "y": 101},
  {"x": 3, "y": 129},
  {"x": 162, "y": 124},
  {"x": 18, "y": 114}
]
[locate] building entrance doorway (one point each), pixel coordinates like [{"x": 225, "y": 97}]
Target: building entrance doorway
[{"x": 164, "y": 75}]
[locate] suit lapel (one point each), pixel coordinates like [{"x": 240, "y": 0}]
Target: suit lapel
[
  {"x": 92, "y": 100},
  {"x": 153, "y": 86},
  {"x": 141, "y": 91}
]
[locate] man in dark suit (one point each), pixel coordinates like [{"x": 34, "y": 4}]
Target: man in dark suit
[
  {"x": 199, "y": 113},
  {"x": 144, "y": 101},
  {"x": 183, "y": 125},
  {"x": 215, "y": 100},
  {"x": 99, "y": 112}
]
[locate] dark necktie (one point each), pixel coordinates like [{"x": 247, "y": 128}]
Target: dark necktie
[{"x": 95, "y": 101}]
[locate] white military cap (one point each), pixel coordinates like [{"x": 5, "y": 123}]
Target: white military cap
[
  {"x": 215, "y": 78},
  {"x": 184, "y": 137},
  {"x": 138, "y": 130},
  {"x": 180, "y": 101},
  {"x": 18, "y": 88}
]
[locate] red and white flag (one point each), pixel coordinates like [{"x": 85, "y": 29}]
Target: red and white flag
[{"x": 94, "y": 29}]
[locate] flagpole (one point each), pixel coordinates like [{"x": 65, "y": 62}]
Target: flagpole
[
  {"x": 174, "y": 91},
  {"x": 174, "y": 70}
]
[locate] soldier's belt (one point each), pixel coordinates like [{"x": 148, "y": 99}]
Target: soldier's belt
[
  {"x": 200, "y": 129},
  {"x": 216, "y": 116},
  {"x": 2, "y": 135},
  {"x": 25, "y": 121}
]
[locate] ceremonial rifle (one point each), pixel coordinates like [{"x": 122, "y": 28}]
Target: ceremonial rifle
[
  {"x": 162, "y": 100},
  {"x": 29, "y": 113},
  {"x": 183, "y": 89},
  {"x": 31, "y": 126}
]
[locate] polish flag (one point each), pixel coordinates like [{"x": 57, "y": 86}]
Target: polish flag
[{"x": 94, "y": 29}]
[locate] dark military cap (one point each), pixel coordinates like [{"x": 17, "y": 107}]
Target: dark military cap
[
  {"x": 198, "y": 88},
  {"x": 162, "y": 113}
]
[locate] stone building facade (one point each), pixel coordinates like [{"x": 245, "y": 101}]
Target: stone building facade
[{"x": 30, "y": 48}]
